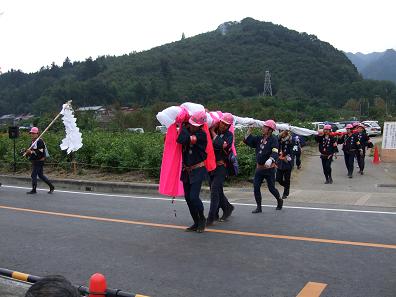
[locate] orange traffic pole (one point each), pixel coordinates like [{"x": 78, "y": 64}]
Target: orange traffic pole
[{"x": 376, "y": 159}]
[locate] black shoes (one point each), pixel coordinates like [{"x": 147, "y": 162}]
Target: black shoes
[
  {"x": 330, "y": 180},
  {"x": 192, "y": 228},
  {"x": 33, "y": 191},
  {"x": 52, "y": 188},
  {"x": 280, "y": 204},
  {"x": 257, "y": 210},
  {"x": 350, "y": 175},
  {"x": 327, "y": 181},
  {"x": 201, "y": 225},
  {"x": 227, "y": 213},
  {"x": 284, "y": 196},
  {"x": 361, "y": 172}
]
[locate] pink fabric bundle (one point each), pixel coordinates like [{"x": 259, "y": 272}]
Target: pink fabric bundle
[{"x": 171, "y": 166}]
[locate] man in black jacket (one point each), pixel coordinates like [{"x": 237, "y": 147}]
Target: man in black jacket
[
  {"x": 285, "y": 162},
  {"x": 350, "y": 145},
  {"x": 36, "y": 154},
  {"x": 364, "y": 141},
  {"x": 194, "y": 142},
  {"x": 222, "y": 140},
  {"x": 266, "y": 156},
  {"x": 327, "y": 148}
]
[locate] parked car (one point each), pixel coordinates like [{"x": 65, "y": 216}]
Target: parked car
[
  {"x": 320, "y": 125},
  {"x": 135, "y": 130},
  {"x": 342, "y": 124},
  {"x": 161, "y": 129},
  {"x": 372, "y": 128}
]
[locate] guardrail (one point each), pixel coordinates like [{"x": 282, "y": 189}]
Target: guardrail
[{"x": 96, "y": 281}]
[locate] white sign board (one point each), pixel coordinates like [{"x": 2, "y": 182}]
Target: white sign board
[{"x": 389, "y": 135}]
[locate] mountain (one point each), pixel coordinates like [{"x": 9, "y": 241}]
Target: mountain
[
  {"x": 376, "y": 65},
  {"x": 227, "y": 63}
]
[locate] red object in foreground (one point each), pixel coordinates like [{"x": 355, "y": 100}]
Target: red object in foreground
[
  {"x": 376, "y": 159},
  {"x": 97, "y": 285}
]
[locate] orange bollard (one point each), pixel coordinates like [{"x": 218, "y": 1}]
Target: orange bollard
[
  {"x": 376, "y": 159},
  {"x": 97, "y": 285}
]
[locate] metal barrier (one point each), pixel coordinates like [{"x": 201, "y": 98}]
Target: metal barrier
[{"x": 83, "y": 290}]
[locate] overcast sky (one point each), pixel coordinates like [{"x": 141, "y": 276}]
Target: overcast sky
[{"x": 35, "y": 33}]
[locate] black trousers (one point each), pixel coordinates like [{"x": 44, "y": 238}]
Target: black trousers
[
  {"x": 360, "y": 159},
  {"x": 297, "y": 155},
  {"x": 349, "y": 158},
  {"x": 217, "y": 197},
  {"x": 37, "y": 170},
  {"x": 283, "y": 178},
  {"x": 192, "y": 183},
  {"x": 326, "y": 164},
  {"x": 269, "y": 176}
]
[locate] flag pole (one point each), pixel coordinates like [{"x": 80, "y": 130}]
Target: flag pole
[{"x": 68, "y": 103}]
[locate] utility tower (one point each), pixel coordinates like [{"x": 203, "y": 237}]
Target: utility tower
[{"x": 267, "y": 84}]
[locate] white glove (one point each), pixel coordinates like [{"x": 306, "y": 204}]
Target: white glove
[{"x": 268, "y": 163}]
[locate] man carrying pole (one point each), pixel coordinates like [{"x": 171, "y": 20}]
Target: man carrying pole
[{"x": 37, "y": 154}]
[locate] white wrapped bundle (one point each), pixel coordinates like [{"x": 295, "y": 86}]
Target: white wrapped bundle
[{"x": 168, "y": 116}]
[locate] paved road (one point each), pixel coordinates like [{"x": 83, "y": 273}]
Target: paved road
[{"x": 138, "y": 244}]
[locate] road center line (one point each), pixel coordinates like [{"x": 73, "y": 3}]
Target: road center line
[
  {"x": 312, "y": 289},
  {"x": 205, "y": 201},
  {"x": 231, "y": 232}
]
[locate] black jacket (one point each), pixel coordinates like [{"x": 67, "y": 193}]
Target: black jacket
[
  {"x": 285, "y": 151},
  {"x": 193, "y": 153},
  {"x": 349, "y": 143},
  {"x": 265, "y": 148},
  {"x": 327, "y": 146},
  {"x": 38, "y": 151},
  {"x": 218, "y": 141}
]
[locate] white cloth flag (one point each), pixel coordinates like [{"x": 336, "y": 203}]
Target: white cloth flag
[{"x": 73, "y": 140}]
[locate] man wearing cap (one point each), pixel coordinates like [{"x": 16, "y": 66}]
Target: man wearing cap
[
  {"x": 222, "y": 140},
  {"x": 36, "y": 154},
  {"x": 327, "y": 148},
  {"x": 266, "y": 156},
  {"x": 285, "y": 162},
  {"x": 297, "y": 148},
  {"x": 364, "y": 141},
  {"x": 350, "y": 145},
  {"x": 194, "y": 141}
]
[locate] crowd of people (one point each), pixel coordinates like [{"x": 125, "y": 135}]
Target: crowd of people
[{"x": 276, "y": 156}]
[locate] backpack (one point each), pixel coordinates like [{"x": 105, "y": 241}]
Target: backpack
[
  {"x": 232, "y": 164},
  {"x": 46, "y": 153}
]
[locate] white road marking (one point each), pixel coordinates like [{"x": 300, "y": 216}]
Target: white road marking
[{"x": 205, "y": 201}]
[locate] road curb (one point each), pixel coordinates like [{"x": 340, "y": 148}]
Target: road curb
[{"x": 93, "y": 186}]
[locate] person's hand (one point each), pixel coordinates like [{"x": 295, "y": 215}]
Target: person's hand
[
  {"x": 288, "y": 158},
  {"x": 320, "y": 132},
  {"x": 28, "y": 152}
]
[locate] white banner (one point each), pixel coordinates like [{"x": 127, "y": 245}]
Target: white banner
[{"x": 389, "y": 135}]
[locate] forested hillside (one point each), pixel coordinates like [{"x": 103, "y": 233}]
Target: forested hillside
[{"x": 228, "y": 63}]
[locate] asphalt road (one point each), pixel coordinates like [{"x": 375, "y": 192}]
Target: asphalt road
[{"x": 139, "y": 245}]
